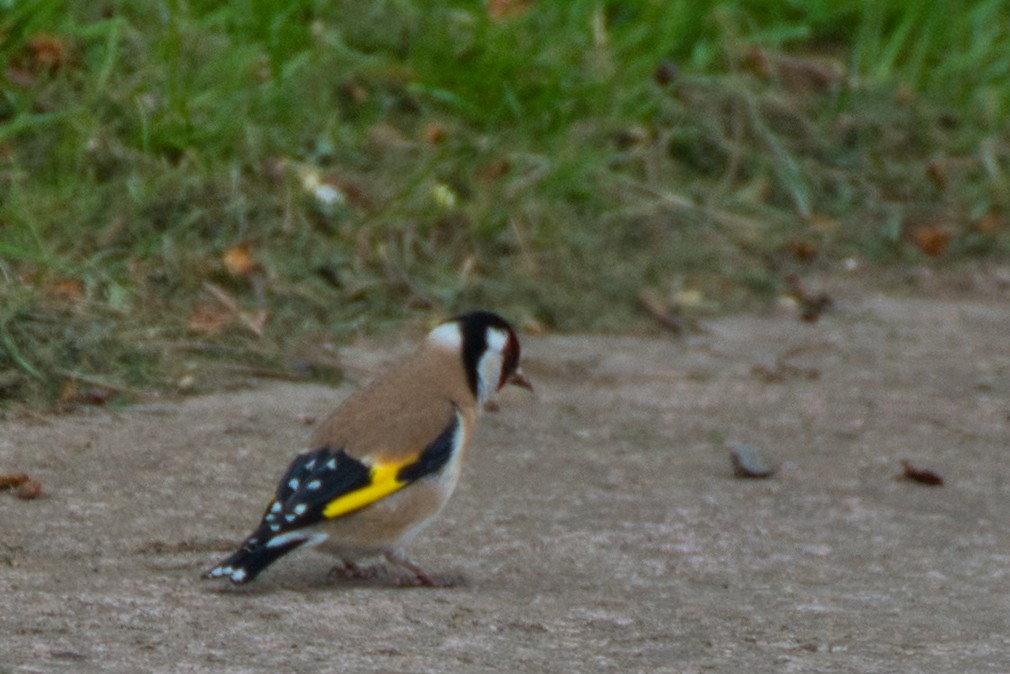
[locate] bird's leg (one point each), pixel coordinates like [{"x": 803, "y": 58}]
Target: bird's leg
[
  {"x": 421, "y": 577},
  {"x": 353, "y": 571}
]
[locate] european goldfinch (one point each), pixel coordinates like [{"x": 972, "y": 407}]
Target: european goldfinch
[{"x": 387, "y": 459}]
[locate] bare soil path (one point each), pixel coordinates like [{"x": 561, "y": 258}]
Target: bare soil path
[{"x": 598, "y": 523}]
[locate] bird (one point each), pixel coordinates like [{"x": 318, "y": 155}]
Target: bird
[{"x": 384, "y": 463}]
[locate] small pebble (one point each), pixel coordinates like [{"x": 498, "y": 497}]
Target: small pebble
[
  {"x": 748, "y": 462},
  {"x": 920, "y": 475}
]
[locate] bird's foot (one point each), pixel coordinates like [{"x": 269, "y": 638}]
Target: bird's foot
[
  {"x": 351, "y": 571},
  {"x": 420, "y": 578},
  {"x": 428, "y": 580}
]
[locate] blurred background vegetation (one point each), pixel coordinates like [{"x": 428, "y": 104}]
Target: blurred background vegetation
[{"x": 193, "y": 192}]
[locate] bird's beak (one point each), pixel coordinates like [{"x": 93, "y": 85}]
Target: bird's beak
[{"x": 520, "y": 379}]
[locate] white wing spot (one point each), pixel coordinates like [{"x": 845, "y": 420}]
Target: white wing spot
[
  {"x": 288, "y": 537},
  {"x": 293, "y": 483},
  {"x": 290, "y": 517},
  {"x": 276, "y": 507},
  {"x": 310, "y": 465},
  {"x": 300, "y": 509},
  {"x": 275, "y": 527},
  {"x": 332, "y": 463},
  {"x": 315, "y": 484},
  {"x": 238, "y": 576}
]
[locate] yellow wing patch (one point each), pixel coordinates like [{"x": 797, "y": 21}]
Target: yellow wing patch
[{"x": 382, "y": 483}]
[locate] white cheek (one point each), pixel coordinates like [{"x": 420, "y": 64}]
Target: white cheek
[
  {"x": 488, "y": 374},
  {"x": 496, "y": 340},
  {"x": 490, "y": 365}
]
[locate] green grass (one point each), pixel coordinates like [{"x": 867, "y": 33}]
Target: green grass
[{"x": 533, "y": 164}]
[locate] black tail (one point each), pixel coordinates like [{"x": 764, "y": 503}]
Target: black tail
[{"x": 248, "y": 561}]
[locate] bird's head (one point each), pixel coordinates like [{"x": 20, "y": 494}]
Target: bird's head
[{"x": 489, "y": 348}]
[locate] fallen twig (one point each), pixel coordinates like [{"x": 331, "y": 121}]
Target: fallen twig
[{"x": 256, "y": 324}]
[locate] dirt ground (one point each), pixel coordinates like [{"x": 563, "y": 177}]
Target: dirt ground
[{"x": 598, "y": 523}]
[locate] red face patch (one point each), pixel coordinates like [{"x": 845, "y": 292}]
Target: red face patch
[{"x": 510, "y": 359}]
